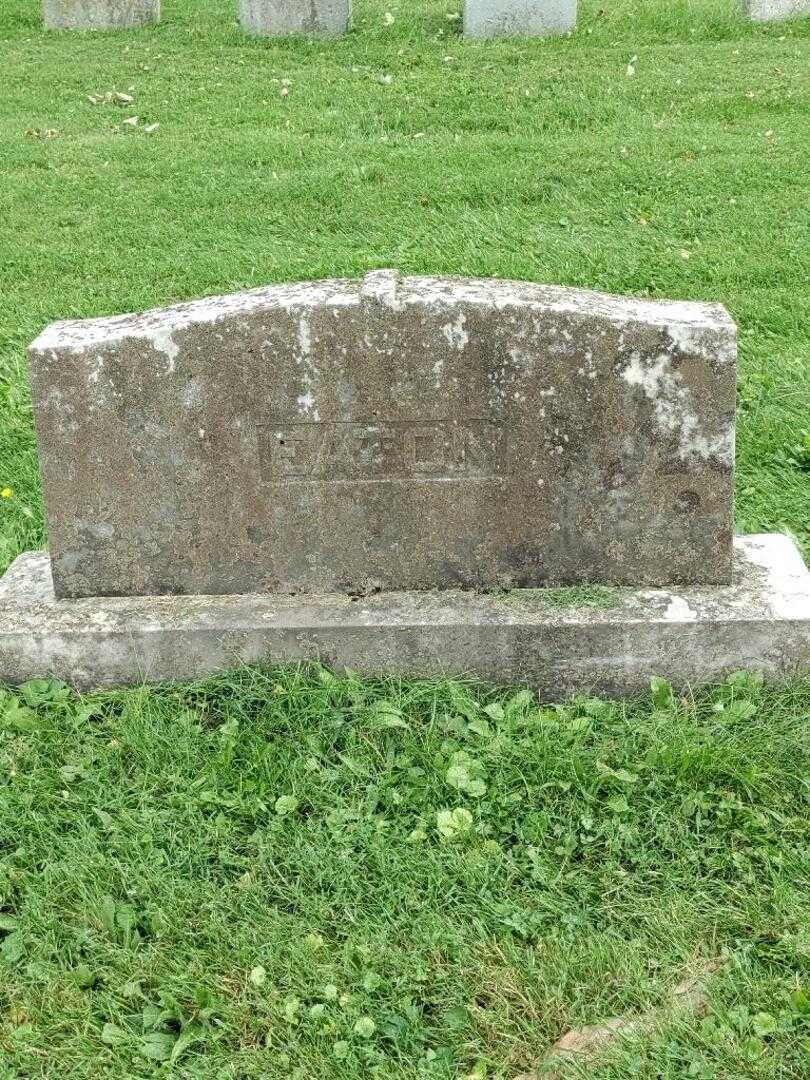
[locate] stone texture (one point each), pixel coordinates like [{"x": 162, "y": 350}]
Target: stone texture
[
  {"x": 389, "y": 434},
  {"x": 276, "y": 18},
  {"x": 774, "y": 10},
  {"x": 761, "y": 622},
  {"x": 99, "y": 14},
  {"x": 518, "y": 18}
]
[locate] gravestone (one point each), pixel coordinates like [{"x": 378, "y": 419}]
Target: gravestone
[
  {"x": 99, "y": 14},
  {"x": 277, "y": 18},
  {"x": 774, "y": 10},
  {"x": 297, "y": 446},
  {"x": 394, "y": 433},
  {"x": 518, "y": 18}
]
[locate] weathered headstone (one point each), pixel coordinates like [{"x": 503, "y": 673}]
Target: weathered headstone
[
  {"x": 404, "y": 434},
  {"x": 518, "y": 18},
  {"x": 99, "y": 14},
  {"x": 388, "y": 434},
  {"x": 774, "y": 10},
  {"x": 277, "y": 18}
]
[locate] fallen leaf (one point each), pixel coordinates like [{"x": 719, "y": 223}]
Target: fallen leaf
[
  {"x": 690, "y": 995},
  {"x": 583, "y": 1040}
]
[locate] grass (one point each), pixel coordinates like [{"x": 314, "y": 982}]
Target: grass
[
  {"x": 288, "y": 874},
  {"x": 285, "y": 874},
  {"x": 569, "y": 596}
]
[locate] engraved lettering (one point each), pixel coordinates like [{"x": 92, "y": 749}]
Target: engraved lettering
[
  {"x": 353, "y": 450},
  {"x": 290, "y": 448}
]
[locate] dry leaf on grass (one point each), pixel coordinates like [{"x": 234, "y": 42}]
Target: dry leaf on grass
[{"x": 690, "y": 995}]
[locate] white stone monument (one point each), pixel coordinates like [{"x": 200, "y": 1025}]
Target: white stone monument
[
  {"x": 774, "y": 10},
  {"x": 99, "y": 14},
  {"x": 518, "y": 18},
  {"x": 278, "y": 18}
]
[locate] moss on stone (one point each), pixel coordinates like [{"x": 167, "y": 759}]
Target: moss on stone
[{"x": 568, "y": 596}]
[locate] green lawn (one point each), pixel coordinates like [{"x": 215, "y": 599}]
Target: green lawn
[
  {"x": 292, "y": 875},
  {"x": 388, "y": 917}
]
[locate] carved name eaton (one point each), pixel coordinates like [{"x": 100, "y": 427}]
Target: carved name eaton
[{"x": 382, "y": 450}]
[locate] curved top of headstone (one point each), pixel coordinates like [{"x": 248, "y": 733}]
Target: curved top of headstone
[
  {"x": 394, "y": 432},
  {"x": 689, "y": 325}
]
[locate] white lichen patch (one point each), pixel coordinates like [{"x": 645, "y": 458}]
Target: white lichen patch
[
  {"x": 382, "y": 287},
  {"x": 307, "y": 370},
  {"x": 161, "y": 339},
  {"x": 304, "y": 337},
  {"x": 306, "y": 406},
  {"x": 701, "y": 337},
  {"x": 99, "y": 373},
  {"x": 455, "y": 334},
  {"x": 101, "y": 620},
  {"x": 80, "y": 335},
  {"x": 674, "y": 409},
  {"x": 678, "y": 610},
  {"x": 694, "y": 328},
  {"x": 96, "y": 369},
  {"x": 526, "y": 356},
  {"x": 192, "y": 394}
]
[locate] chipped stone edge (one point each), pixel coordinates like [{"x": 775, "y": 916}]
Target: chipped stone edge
[{"x": 692, "y": 636}]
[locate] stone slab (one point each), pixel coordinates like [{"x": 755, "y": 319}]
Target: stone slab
[
  {"x": 775, "y": 10},
  {"x": 99, "y": 14},
  {"x": 277, "y": 18},
  {"x": 387, "y": 434},
  {"x": 761, "y": 622},
  {"x": 518, "y": 18}
]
